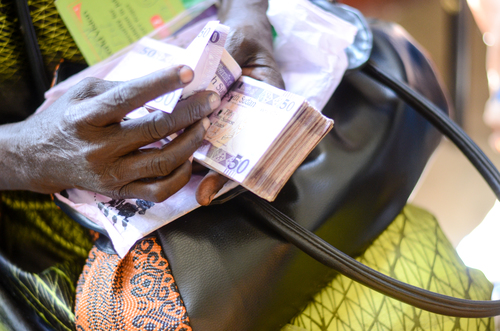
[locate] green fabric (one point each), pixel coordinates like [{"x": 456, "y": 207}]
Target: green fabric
[
  {"x": 414, "y": 250},
  {"x": 53, "y": 37},
  {"x": 42, "y": 253},
  {"x": 36, "y": 233},
  {"x": 13, "y": 61},
  {"x": 17, "y": 88},
  {"x": 50, "y": 294}
]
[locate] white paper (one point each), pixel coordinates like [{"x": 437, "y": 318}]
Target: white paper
[{"x": 309, "y": 48}]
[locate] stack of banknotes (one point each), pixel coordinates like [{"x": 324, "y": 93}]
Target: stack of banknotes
[{"x": 258, "y": 136}]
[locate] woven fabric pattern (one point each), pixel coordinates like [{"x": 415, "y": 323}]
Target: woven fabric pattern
[
  {"x": 35, "y": 221},
  {"x": 137, "y": 292},
  {"x": 414, "y": 250},
  {"x": 42, "y": 255},
  {"x": 13, "y": 61},
  {"x": 17, "y": 87},
  {"x": 50, "y": 294},
  {"x": 54, "y": 39}
]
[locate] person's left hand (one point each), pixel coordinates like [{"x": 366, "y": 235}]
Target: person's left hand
[{"x": 250, "y": 43}]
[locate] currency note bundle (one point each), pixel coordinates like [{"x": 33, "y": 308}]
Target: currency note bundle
[{"x": 260, "y": 135}]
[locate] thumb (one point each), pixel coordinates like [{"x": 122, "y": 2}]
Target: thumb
[{"x": 209, "y": 186}]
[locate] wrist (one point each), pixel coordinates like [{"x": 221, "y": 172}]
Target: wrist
[{"x": 13, "y": 158}]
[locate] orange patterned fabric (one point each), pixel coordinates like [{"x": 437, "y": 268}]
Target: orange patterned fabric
[{"x": 137, "y": 292}]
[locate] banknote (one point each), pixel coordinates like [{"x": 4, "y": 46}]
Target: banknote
[
  {"x": 203, "y": 55},
  {"x": 228, "y": 71}
]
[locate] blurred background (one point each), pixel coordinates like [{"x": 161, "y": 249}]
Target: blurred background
[{"x": 459, "y": 35}]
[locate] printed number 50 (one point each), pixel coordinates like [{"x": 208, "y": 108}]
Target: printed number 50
[
  {"x": 287, "y": 104},
  {"x": 235, "y": 164}
]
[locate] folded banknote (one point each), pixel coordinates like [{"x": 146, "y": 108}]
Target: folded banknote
[{"x": 203, "y": 55}]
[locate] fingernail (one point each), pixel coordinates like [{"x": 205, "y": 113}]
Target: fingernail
[
  {"x": 206, "y": 123},
  {"x": 191, "y": 158},
  {"x": 186, "y": 74},
  {"x": 214, "y": 101}
]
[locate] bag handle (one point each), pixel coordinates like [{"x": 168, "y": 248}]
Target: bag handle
[
  {"x": 325, "y": 253},
  {"x": 443, "y": 123}
]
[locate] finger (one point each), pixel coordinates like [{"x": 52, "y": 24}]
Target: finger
[
  {"x": 268, "y": 75},
  {"x": 209, "y": 186},
  {"x": 114, "y": 104},
  {"x": 90, "y": 87},
  {"x": 157, "y": 190},
  {"x": 155, "y": 126},
  {"x": 152, "y": 163}
]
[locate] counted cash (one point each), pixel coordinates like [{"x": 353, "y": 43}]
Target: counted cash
[{"x": 260, "y": 135}]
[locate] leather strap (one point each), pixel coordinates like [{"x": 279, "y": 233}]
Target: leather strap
[
  {"x": 443, "y": 123},
  {"x": 325, "y": 253}
]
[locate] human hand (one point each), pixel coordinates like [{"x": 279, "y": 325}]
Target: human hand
[
  {"x": 250, "y": 43},
  {"x": 82, "y": 142},
  {"x": 250, "y": 39}
]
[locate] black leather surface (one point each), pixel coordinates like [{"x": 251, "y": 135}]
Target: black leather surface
[{"x": 234, "y": 274}]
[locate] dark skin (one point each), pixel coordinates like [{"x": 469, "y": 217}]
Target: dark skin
[
  {"x": 82, "y": 142},
  {"x": 250, "y": 43}
]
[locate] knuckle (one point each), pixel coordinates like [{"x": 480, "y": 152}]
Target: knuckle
[
  {"x": 197, "y": 109},
  {"x": 159, "y": 127},
  {"x": 85, "y": 88},
  {"x": 120, "y": 97},
  {"x": 122, "y": 192},
  {"x": 166, "y": 123},
  {"x": 89, "y": 82},
  {"x": 93, "y": 160},
  {"x": 162, "y": 166},
  {"x": 115, "y": 174}
]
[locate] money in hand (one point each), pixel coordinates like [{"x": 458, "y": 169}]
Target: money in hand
[
  {"x": 203, "y": 55},
  {"x": 260, "y": 135}
]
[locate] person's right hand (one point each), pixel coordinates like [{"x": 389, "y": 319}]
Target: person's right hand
[
  {"x": 250, "y": 43},
  {"x": 82, "y": 142}
]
